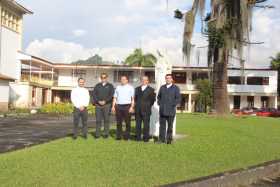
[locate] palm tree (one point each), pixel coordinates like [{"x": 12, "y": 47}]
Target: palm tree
[
  {"x": 137, "y": 58},
  {"x": 228, "y": 29}
]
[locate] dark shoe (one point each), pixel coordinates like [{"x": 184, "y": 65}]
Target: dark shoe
[
  {"x": 85, "y": 137},
  {"x": 159, "y": 142},
  {"x": 169, "y": 142},
  {"x": 96, "y": 137},
  {"x": 118, "y": 138},
  {"x": 106, "y": 136},
  {"x": 74, "y": 137},
  {"x": 126, "y": 138}
]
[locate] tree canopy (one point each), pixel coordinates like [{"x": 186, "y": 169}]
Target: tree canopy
[
  {"x": 228, "y": 27},
  {"x": 138, "y": 58},
  {"x": 275, "y": 62}
]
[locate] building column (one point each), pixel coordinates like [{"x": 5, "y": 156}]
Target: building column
[
  {"x": 49, "y": 100},
  {"x": 190, "y": 103},
  {"x": 4, "y": 96},
  {"x": 276, "y": 102}
]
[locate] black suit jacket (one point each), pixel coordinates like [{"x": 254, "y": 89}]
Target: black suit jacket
[
  {"x": 168, "y": 99},
  {"x": 144, "y": 100}
]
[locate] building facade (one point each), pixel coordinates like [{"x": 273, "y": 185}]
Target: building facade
[
  {"x": 44, "y": 82},
  {"x": 10, "y": 43}
]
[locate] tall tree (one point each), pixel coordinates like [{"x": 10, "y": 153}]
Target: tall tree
[
  {"x": 275, "y": 64},
  {"x": 204, "y": 98},
  {"x": 138, "y": 58},
  {"x": 228, "y": 28}
]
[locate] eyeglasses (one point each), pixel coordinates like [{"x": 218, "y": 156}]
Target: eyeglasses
[{"x": 103, "y": 77}]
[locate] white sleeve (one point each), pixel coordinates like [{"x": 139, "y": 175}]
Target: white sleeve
[
  {"x": 74, "y": 98},
  {"x": 132, "y": 92},
  {"x": 116, "y": 92},
  {"x": 87, "y": 99}
]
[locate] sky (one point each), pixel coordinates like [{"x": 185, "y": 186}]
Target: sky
[{"x": 65, "y": 31}]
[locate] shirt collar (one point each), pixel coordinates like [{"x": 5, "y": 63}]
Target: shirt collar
[
  {"x": 169, "y": 85},
  {"x": 143, "y": 87}
]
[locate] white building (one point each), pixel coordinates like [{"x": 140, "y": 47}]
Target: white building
[
  {"x": 44, "y": 82},
  {"x": 10, "y": 43}
]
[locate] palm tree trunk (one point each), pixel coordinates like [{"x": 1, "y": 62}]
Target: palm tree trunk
[{"x": 220, "y": 79}]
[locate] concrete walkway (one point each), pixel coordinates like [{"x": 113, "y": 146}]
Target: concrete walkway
[
  {"x": 21, "y": 132},
  {"x": 267, "y": 182}
]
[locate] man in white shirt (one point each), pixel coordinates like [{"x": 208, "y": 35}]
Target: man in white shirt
[
  {"x": 80, "y": 99},
  {"x": 123, "y": 104}
]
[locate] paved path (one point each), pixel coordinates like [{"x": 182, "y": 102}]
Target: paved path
[
  {"x": 18, "y": 133},
  {"x": 267, "y": 183}
]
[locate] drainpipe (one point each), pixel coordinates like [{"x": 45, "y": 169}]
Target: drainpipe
[
  {"x": 30, "y": 64},
  {"x": 1, "y": 38}
]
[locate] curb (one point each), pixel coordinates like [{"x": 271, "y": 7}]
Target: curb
[{"x": 240, "y": 177}]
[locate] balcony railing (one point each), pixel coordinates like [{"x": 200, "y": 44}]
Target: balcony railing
[
  {"x": 252, "y": 89},
  {"x": 35, "y": 79}
]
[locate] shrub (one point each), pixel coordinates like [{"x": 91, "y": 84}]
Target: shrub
[
  {"x": 62, "y": 109},
  {"x": 91, "y": 109},
  {"x": 59, "y": 108},
  {"x": 21, "y": 110}
]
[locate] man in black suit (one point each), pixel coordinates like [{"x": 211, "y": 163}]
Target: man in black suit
[
  {"x": 102, "y": 98},
  {"x": 168, "y": 98},
  {"x": 144, "y": 100}
]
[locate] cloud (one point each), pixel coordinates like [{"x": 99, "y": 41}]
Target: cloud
[
  {"x": 136, "y": 4},
  {"x": 123, "y": 20},
  {"x": 266, "y": 29},
  {"x": 114, "y": 28},
  {"x": 79, "y": 32},
  {"x": 59, "y": 51}
]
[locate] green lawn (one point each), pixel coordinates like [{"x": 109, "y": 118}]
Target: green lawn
[{"x": 213, "y": 145}]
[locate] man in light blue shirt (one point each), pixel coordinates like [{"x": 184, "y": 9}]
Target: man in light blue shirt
[{"x": 123, "y": 105}]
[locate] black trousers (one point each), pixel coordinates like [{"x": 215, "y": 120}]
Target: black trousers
[
  {"x": 146, "y": 129},
  {"x": 102, "y": 115},
  {"x": 77, "y": 116},
  {"x": 163, "y": 135},
  {"x": 122, "y": 114}
]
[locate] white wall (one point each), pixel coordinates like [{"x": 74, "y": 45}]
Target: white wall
[
  {"x": 10, "y": 45},
  {"x": 20, "y": 95},
  {"x": 4, "y": 90},
  {"x": 65, "y": 78},
  {"x": 255, "y": 89}
]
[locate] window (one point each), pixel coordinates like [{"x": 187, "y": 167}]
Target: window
[
  {"x": 119, "y": 74},
  {"x": 258, "y": 80},
  {"x": 236, "y": 102},
  {"x": 10, "y": 20},
  {"x": 265, "y": 101},
  {"x": 234, "y": 80},
  {"x": 250, "y": 101},
  {"x": 79, "y": 73},
  {"x": 202, "y": 75},
  {"x": 151, "y": 75},
  {"x": 180, "y": 77}
]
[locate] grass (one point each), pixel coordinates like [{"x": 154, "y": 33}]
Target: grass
[{"x": 213, "y": 145}]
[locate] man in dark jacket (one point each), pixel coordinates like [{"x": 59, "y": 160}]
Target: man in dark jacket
[
  {"x": 102, "y": 98},
  {"x": 168, "y": 98},
  {"x": 144, "y": 100}
]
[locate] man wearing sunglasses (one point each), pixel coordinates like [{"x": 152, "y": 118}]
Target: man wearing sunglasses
[{"x": 102, "y": 98}]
